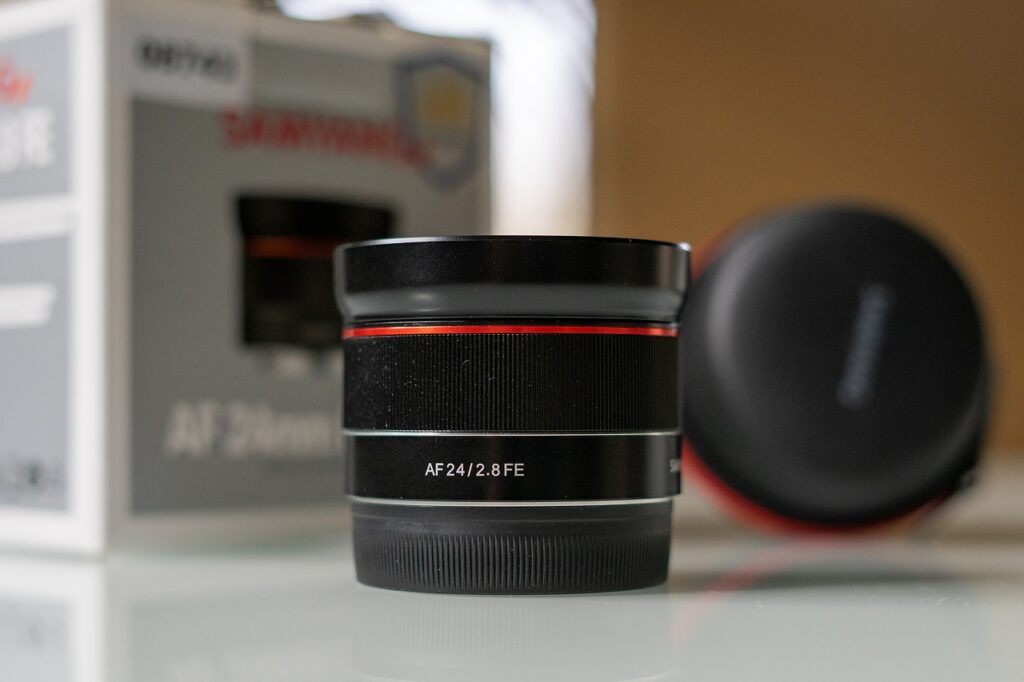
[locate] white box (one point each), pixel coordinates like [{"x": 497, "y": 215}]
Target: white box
[{"x": 167, "y": 369}]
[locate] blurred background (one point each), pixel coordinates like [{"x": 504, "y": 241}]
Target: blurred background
[
  {"x": 662, "y": 119},
  {"x": 706, "y": 113}
]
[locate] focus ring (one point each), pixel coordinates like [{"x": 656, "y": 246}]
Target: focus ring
[
  {"x": 511, "y": 551},
  {"x": 512, "y": 382}
]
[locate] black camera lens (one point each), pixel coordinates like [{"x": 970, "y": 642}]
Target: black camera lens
[{"x": 512, "y": 411}]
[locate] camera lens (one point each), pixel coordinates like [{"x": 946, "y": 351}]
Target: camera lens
[{"x": 512, "y": 411}]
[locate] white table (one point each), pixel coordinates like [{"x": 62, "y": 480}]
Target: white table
[{"x": 948, "y": 605}]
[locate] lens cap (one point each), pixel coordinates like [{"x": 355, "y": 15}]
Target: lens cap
[{"x": 835, "y": 369}]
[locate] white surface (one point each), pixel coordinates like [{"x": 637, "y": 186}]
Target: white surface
[
  {"x": 731, "y": 611},
  {"x": 945, "y": 605}
]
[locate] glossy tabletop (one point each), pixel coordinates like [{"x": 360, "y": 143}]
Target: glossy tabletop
[{"x": 945, "y": 604}]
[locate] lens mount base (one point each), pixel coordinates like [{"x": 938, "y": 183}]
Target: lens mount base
[{"x": 518, "y": 549}]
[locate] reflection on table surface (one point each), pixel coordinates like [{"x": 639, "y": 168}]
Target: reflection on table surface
[{"x": 732, "y": 610}]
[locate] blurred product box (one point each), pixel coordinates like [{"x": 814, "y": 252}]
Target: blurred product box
[{"x": 174, "y": 177}]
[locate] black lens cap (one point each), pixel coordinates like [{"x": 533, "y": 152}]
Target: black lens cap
[{"x": 834, "y": 367}]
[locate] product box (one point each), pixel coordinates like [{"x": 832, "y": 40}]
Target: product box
[{"x": 174, "y": 176}]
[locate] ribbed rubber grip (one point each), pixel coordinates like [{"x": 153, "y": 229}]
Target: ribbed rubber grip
[
  {"x": 512, "y": 383},
  {"x": 512, "y": 550}
]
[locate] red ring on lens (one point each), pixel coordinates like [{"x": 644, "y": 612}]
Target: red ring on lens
[{"x": 659, "y": 330}]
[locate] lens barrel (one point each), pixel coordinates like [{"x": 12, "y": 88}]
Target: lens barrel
[{"x": 512, "y": 411}]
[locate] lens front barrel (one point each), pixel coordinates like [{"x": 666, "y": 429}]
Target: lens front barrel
[{"x": 512, "y": 411}]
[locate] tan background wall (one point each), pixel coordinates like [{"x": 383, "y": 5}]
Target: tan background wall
[{"x": 709, "y": 111}]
